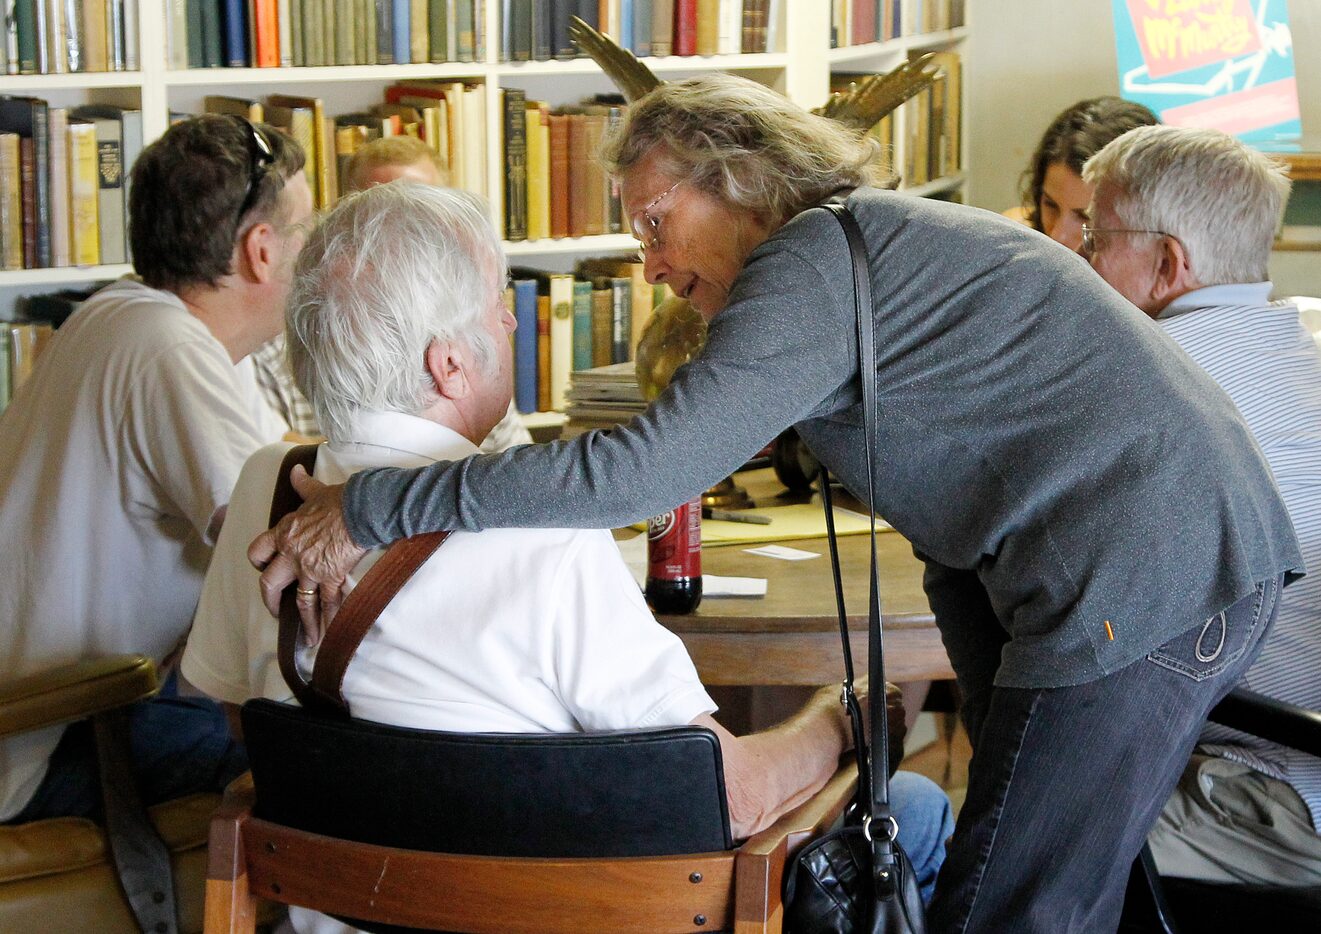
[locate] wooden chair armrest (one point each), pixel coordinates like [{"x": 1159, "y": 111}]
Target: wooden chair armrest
[
  {"x": 73, "y": 692},
  {"x": 809, "y": 819},
  {"x": 759, "y": 862}
]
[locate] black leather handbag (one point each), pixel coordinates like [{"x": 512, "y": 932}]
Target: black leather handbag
[{"x": 856, "y": 878}]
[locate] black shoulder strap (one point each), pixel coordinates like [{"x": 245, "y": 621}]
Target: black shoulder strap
[
  {"x": 358, "y": 612},
  {"x": 878, "y": 824}
]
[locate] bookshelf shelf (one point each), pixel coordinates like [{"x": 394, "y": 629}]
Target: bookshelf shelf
[
  {"x": 938, "y": 40},
  {"x": 873, "y": 51},
  {"x": 669, "y": 64},
  {"x": 571, "y": 246},
  {"x": 937, "y": 186},
  {"x": 216, "y": 77},
  {"x": 28, "y": 84},
  {"x": 62, "y": 275}
]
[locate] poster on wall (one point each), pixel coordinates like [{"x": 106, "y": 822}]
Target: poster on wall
[{"x": 1224, "y": 64}]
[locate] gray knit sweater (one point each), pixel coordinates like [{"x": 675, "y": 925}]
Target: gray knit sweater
[{"x": 1034, "y": 427}]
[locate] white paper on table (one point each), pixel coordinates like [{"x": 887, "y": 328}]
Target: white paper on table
[
  {"x": 714, "y": 585},
  {"x": 783, "y": 552}
]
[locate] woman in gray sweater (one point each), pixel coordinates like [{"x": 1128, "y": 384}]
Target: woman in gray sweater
[{"x": 1101, "y": 568}]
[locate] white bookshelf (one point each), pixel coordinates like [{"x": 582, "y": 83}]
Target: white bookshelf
[{"x": 800, "y": 69}]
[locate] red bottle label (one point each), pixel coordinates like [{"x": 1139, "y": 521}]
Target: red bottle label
[{"x": 674, "y": 543}]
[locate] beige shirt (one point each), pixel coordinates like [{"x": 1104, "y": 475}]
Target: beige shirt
[{"x": 114, "y": 457}]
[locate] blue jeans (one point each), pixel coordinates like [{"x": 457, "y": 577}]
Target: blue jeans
[
  {"x": 921, "y": 809},
  {"x": 1065, "y": 783},
  {"x": 179, "y": 745}
]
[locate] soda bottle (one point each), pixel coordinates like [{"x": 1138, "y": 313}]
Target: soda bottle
[{"x": 674, "y": 559}]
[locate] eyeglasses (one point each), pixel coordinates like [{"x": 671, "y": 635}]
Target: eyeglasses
[
  {"x": 646, "y": 227},
  {"x": 1089, "y": 235},
  {"x": 260, "y": 158}
]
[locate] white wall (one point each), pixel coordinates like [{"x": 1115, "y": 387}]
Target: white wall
[{"x": 1029, "y": 59}]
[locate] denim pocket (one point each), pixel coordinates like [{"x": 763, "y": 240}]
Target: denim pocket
[{"x": 1209, "y": 648}]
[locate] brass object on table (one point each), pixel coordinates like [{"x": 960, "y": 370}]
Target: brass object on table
[
  {"x": 675, "y": 334},
  {"x": 727, "y": 495}
]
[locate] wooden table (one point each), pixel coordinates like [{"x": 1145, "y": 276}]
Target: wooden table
[{"x": 791, "y": 636}]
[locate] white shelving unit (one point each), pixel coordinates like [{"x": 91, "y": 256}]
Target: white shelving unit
[{"x": 801, "y": 70}]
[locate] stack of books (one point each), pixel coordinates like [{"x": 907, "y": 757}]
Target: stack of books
[
  {"x": 538, "y": 30},
  {"x": 64, "y": 183},
  {"x": 54, "y": 37},
  {"x": 297, "y": 33},
  {"x": 604, "y": 397},
  {"x": 568, "y": 323}
]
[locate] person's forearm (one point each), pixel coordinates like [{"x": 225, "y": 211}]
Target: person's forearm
[
  {"x": 760, "y": 372},
  {"x": 770, "y": 773}
]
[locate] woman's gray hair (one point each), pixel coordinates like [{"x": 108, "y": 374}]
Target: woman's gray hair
[
  {"x": 387, "y": 272},
  {"x": 1222, "y": 199},
  {"x": 745, "y": 144}
]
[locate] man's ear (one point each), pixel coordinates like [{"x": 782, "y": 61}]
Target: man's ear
[
  {"x": 1173, "y": 274},
  {"x": 448, "y": 368},
  {"x": 256, "y": 254}
]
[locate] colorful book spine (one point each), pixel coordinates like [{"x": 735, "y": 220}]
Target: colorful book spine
[
  {"x": 538, "y": 173},
  {"x": 516, "y": 160},
  {"x": 11, "y": 203},
  {"x": 582, "y": 324},
  {"x": 559, "y": 175},
  {"x": 543, "y": 353},
  {"x": 525, "y": 345},
  {"x": 401, "y": 23},
  {"x": 621, "y": 324},
  {"x": 561, "y": 339},
  {"x": 84, "y": 245}
]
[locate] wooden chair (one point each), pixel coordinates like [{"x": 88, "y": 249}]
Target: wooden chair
[
  {"x": 60, "y": 874},
  {"x": 322, "y": 822}
]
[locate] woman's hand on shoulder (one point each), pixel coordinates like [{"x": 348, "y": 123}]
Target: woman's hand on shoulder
[{"x": 311, "y": 548}]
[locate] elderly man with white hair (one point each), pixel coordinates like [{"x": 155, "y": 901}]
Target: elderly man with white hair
[
  {"x": 399, "y": 338},
  {"x": 1182, "y": 223}
]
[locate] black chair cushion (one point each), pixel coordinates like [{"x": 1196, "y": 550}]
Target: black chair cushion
[{"x": 635, "y": 793}]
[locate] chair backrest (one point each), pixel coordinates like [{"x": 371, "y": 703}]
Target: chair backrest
[{"x": 636, "y": 793}]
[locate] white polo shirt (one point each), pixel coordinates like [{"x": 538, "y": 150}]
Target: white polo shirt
[
  {"x": 507, "y": 630},
  {"x": 114, "y": 456}
]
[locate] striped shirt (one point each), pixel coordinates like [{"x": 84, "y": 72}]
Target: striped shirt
[{"x": 1260, "y": 354}]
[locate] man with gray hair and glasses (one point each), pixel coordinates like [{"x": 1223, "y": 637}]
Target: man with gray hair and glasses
[{"x": 1182, "y": 223}]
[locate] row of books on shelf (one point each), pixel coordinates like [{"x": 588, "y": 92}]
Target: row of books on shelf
[
  {"x": 449, "y": 116},
  {"x": 554, "y": 183},
  {"x": 568, "y": 323},
  {"x": 44, "y": 37},
  {"x": 63, "y": 182},
  {"x": 538, "y": 30},
  {"x": 296, "y": 33},
  {"x": 932, "y": 134},
  {"x": 933, "y": 125},
  {"x": 857, "y": 22}
]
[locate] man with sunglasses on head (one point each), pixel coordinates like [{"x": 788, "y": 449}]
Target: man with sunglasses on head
[
  {"x": 1184, "y": 221},
  {"x": 118, "y": 454}
]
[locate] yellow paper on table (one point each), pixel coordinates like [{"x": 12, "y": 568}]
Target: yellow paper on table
[{"x": 804, "y": 520}]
